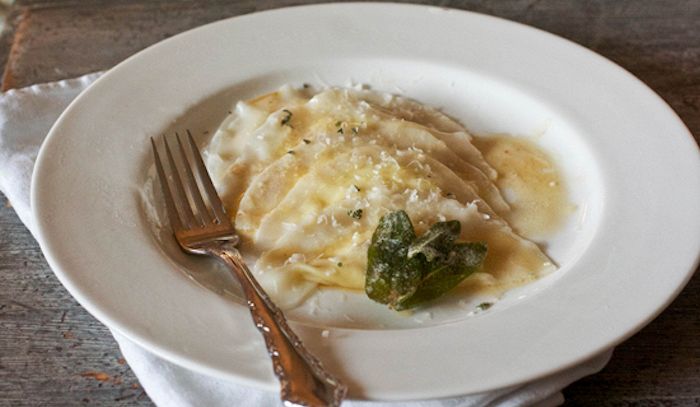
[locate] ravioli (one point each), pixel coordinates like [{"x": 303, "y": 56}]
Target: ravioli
[{"x": 306, "y": 177}]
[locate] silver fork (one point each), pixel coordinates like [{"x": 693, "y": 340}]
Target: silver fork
[{"x": 201, "y": 226}]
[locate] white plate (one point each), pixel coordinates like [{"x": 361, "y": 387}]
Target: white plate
[{"x": 633, "y": 169}]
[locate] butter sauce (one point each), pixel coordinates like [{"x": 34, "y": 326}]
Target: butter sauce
[{"x": 530, "y": 182}]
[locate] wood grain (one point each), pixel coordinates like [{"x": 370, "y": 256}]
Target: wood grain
[{"x": 53, "y": 353}]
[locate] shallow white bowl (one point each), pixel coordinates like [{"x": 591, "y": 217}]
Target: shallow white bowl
[{"x": 632, "y": 166}]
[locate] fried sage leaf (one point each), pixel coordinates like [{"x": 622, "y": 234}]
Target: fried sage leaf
[
  {"x": 405, "y": 271},
  {"x": 436, "y": 243},
  {"x": 439, "y": 277},
  {"x": 391, "y": 275}
]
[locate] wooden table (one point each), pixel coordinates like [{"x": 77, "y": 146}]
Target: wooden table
[{"x": 52, "y": 352}]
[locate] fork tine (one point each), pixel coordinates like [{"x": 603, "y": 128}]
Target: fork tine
[
  {"x": 204, "y": 213},
  {"x": 214, "y": 200},
  {"x": 167, "y": 194},
  {"x": 180, "y": 195}
]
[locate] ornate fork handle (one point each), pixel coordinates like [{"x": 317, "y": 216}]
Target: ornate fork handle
[{"x": 303, "y": 380}]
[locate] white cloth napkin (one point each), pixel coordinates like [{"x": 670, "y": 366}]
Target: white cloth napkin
[{"x": 26, "y": 116}]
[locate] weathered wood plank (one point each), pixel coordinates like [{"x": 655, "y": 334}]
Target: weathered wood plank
[
  {"x": 51, "y": 349},
  {"x": 53, "y": 353}
]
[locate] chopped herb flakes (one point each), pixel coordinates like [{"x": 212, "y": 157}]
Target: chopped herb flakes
[
  {"x": 340, "y": 264},
  {"x": 290, "y": 152},
  {"x": 484, "y": 306},
  {"x": 306, "y": 141},
  {"x": 355, "y": 130},
  {"x": 356, "y": 214},
  {"x": 286, "y": 118},
  {"x": 356, "y": 188},
  {"x": 339, "y": 125}
]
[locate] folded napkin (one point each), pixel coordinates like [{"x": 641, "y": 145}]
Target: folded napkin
[{"x": 26, "y": 116}]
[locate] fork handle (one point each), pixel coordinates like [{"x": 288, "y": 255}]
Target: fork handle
[{"x": 303, "y": 380}]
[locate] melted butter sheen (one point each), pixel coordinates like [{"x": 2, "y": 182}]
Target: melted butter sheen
[
  {"x": 293, "y": 165},
  {"x": 531, "y": 182}
]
